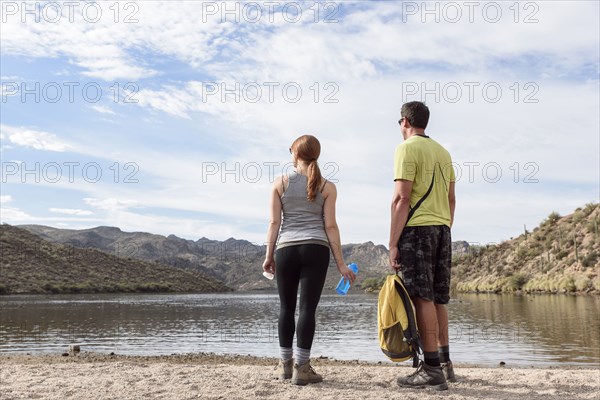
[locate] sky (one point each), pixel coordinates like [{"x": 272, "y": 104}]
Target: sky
[{"x": 175, "y": 117}]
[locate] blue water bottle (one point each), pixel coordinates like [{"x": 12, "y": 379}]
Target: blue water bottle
[{"x": 343, "y": 286}]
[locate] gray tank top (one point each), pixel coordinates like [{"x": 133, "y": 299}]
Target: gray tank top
[{"x": 302, "y": 219}]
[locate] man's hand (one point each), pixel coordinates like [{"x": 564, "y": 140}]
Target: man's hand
[{"x": 394, "y": 259}]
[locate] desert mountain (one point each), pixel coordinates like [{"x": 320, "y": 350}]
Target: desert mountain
[
  {"x": 31, "y": 264},
  {"x": 235, "y": 263},
  {"x": 561, "y": 255}
]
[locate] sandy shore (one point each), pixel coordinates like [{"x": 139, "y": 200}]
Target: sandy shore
[{"x": 93, "y": 376}]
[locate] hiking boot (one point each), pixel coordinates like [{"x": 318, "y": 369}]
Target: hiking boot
[
  {"x": 425, "y": 377},
  {"x": 304, "y": 374},
  {"x": 448, "y": 371},
  {"x": 284, "y": 369}
]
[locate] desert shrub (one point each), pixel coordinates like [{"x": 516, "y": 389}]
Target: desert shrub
[
  {"x": 50, "y": 287},
  {"x": 567, "y": 284},
  {"x": 517, "y": 281},
  {"x": 582, "y": 283},
  {"x": 83, "y": 287},
  {"x": 152, "y": 287},
  {"x": 578, "y": 217},
  {"x": 123, "y": 287},
  {"x": 590, "y": 259},
  {"x": 456, "y": 259},
  {"x": 372, "y": 283},
  {"x": 592, "y": 226},
  {"x": 552, "y": 218},
  {"x": 532, "y": 251},
  {"x": 589, "y": 208}
]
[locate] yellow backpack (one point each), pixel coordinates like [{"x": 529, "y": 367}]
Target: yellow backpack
[{"x": 396, "y": 322}]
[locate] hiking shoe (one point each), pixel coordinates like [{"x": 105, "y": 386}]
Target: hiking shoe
[
  {"x": 304, "y": 374},
  {"x": 425, "y": 377},
  {"x": 448, "y": 371},
  {"x": 284, "y": 369}
]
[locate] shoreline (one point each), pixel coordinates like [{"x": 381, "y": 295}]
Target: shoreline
[
  {"x": 90, "y": 375},
  {"x": 236, "y": 359},
  {"x": 586, "y": 293}
]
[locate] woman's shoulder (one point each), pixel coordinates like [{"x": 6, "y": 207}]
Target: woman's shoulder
[
  {"x": 277, "y": 183},
  {"x": 281, "y": 182},
  {"x": 327, "y": 187}
]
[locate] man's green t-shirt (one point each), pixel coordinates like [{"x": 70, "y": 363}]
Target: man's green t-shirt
[{"x": 422, "y": 160}]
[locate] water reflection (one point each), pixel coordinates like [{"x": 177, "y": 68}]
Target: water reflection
[
  {"x": 485, "y": 329},
  {"x": 550, "y": 328}
]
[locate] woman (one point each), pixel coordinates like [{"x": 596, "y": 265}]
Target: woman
[{"x": 309, "y": 230}]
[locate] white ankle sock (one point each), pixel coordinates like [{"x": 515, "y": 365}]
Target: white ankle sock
[
  {"x": 286, "y": 353},
  {"x": 302, "y": 356}
]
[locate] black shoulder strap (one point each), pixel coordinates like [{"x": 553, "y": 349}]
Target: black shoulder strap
[
  {"x": 421, "y": 200},
  {"x": 323, "y": 187},
  {"x": 414, "y": 340}
]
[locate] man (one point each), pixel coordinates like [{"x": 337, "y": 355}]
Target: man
[{"x": 420, "y": 244}]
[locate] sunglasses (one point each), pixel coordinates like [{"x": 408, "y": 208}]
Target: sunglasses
[{"x": 400, "y": 120}]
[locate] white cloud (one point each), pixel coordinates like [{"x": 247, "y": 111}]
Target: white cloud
[
  {"x": 38, "y": 140},
  {"x": 110, "y": 204},
  {"x": 107, "y": 49},
  {"x": 373, "y": 39},
  {"x": 368, "y": 37},
  {"x": 173, "y": 101},
  {"x": 103, "y": 109},
  {"x": 5, "y": 199},
  {"x": 13, "y": 215},
  {"x": 70, "y": 211}
]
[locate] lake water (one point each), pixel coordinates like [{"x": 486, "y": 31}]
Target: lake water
[{"x": 485, "y": 329}]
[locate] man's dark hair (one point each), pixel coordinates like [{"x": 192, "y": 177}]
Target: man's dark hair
[{"x": 416, "y": 113}]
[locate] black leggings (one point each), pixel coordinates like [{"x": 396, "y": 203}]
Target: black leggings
[{"x": 306, "y": 265}]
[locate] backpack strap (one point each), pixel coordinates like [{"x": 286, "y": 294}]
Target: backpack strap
[
  {"x": 414, "y": 340},
  {"x": 421, "y": 200}
]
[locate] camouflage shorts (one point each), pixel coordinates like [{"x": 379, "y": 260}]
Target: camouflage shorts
[{"x": 426, "y": 258}]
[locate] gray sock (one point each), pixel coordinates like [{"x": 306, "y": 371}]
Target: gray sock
[
  {"x": 286, "y": 353},
  {"x": 302, "y": 356}
]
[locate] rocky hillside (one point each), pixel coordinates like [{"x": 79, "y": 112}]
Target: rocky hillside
[
  {"x": 235, "y": 263},
  {"x": 561, "y": 255},
  {"x": 31, "y": 264}
]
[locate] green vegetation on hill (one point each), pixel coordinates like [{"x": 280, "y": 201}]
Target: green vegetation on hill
[
  {"x": 562, "y": 255},
  {"x": 30, "y": 264}
]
